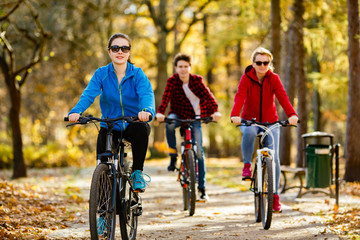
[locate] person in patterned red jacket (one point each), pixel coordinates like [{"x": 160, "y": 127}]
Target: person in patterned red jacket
[
  {"x": 189, "y": 98},
  {"x": 256, "y": 97}
]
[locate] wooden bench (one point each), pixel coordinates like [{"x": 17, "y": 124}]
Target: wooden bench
[{"x": 298, "y": 174}]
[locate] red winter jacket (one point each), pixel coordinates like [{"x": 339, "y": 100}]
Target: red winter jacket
[{"x": 258, "y": 98}]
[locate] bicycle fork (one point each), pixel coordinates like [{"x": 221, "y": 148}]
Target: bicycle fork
[{"x": 261, "y": 154}]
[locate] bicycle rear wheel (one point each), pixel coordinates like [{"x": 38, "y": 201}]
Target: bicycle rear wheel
[
  {"x": 257, "y": 196},
  {"x": 102, "y": 216},
  {"x": 130, "y": 210},
  {"x": 268, "y": 193},
  {"x": 191, "y": 179}
]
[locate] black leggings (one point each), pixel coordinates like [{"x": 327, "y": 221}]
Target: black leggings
[{"x": 137, "y": 134}]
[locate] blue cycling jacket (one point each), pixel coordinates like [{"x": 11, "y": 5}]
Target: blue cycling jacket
[{"x": 132, "y": 95}]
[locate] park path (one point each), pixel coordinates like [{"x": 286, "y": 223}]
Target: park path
[{"x": 228, "y": 215}]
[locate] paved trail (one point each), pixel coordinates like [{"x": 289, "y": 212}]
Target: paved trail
[{"x": 228, "y": 215}]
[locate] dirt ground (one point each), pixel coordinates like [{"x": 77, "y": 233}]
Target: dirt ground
[{"x": 228, "y": 215}]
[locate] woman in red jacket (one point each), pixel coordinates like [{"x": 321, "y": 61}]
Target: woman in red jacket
[{"x": 256, "y": 97}]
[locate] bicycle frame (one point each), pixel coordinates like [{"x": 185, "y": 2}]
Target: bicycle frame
[
  {"x": 261, "y": 153},
  {"x": 187, "y": 145}
]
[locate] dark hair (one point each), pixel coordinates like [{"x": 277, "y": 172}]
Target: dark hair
[
  {"x": 182, "y": 56},
  {"x": 120, "y": 35}
]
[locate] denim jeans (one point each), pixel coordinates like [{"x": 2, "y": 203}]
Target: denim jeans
[
  {"x": 247, "y": 146},
  {"x": 196, "y": 132}
]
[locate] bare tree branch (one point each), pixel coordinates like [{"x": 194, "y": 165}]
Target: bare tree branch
[
  {"x": 9, "y": 68},
  {"x": 194, "y": 20},
  {"x": 11, "y": 11},
  {"x": 179, "y": 14},
  {"x": 39, "y": 46}
]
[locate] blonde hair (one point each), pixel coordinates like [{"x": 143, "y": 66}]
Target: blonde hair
[{"x": 263, "y": 51}]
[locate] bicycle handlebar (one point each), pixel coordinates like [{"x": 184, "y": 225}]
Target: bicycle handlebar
[
  {"x": 90, "y": 118},
  {"x": 283, "y": 123},
  {"x": 189, "y": 121}
]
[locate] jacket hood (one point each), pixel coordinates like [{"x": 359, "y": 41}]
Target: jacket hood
[{"x": 251, "y": 73}]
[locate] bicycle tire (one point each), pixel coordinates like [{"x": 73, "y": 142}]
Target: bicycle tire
[
  {"x": 257, "y": 197},
  {"x": 267, "y": 196},
  {"x": 192, "y": 181},
  {"x": 184, "y": 188},
  {"x": 100, "y": 204},
  {"x": 128, "y": 215}
]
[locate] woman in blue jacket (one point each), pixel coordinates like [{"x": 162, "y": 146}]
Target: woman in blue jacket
[{"x": 124, "y": 90}]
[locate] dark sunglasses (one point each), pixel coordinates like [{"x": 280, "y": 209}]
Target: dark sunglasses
[
  {"x": 116, "y": 48},
  {"x": 259, "y": 63}
]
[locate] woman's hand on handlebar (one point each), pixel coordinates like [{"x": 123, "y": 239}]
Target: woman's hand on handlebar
[
  {"x": 236, "y": 120},
  {"x": 160, "y": 117},
  {"x": 74, "y": 117},
  {"x": 144, "y": 116},
  {"x": 293, "y": 120}
]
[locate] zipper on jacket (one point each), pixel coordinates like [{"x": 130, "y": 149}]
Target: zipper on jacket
[
  {"x": 122, "y": 108},
  {"x": 261, "y": 96}
]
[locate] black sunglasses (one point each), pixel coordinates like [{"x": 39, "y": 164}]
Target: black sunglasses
[
  {"x": 259, "y": 63},
  {"x": 116, "y": 48}
]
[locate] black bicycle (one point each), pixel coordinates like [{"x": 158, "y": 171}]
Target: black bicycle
[
  {"x": 189, "y": 169},
  {"x": 111, "y": 190}
]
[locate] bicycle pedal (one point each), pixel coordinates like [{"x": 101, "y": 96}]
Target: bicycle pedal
[
  {"x": 138, "y": 212},
  {"x": 246, "y": 179},
  {"x": 139, "y": 190}
]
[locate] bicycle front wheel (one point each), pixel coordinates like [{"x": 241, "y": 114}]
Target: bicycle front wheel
[
  {"x": 191, "y": 179},
  {"x": 130, "y": 209},
  {"x": 102, "y": 215},
  {"x": 185, "y": 197},
  {"x": 268, "y": 193},
  {"x": 257, "y": 196}
]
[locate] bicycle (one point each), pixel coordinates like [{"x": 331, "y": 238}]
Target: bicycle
[
  {"x": 263, "y": 178},
  {"x": 189, "y": 169},
  {"x": 111, "y": 187}
]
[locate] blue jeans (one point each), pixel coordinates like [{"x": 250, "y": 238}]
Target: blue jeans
[
  {"x": 196, "y": 132},
  {"x": 247, "y": 146}
]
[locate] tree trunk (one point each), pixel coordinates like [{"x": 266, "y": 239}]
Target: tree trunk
[
  {"x": 316, "y": 101},
  {"x": 19, "y": 169},
  {"x": 300, "y": 80},
  {"x": 162, "y": 76},
  {"x": 289, "y": 85},
  {"x": 352, "y": 151},
  {"x": 276, "y": 34},
  {"x": 213, "y": 150}
]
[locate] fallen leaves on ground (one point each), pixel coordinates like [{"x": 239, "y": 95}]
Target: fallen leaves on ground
[
  {"x": 32, "y": 212},
  {"x": 345, "y": 220}
]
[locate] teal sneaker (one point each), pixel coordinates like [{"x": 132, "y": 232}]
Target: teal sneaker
[
  {"x": 101, "y": 226},
  {"x": 139, "y": 183}
]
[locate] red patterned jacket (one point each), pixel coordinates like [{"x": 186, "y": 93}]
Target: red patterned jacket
[
  {"x": 258, "y": 98},
  {"x": 180, "y": 104}
]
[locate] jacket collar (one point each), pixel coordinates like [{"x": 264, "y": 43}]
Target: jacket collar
[
  {"x": 251, "y": 73},
  {"x": 129, "y": 70}
]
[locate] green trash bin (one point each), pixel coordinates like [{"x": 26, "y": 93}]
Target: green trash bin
[{"x": 318, "y": 161}]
